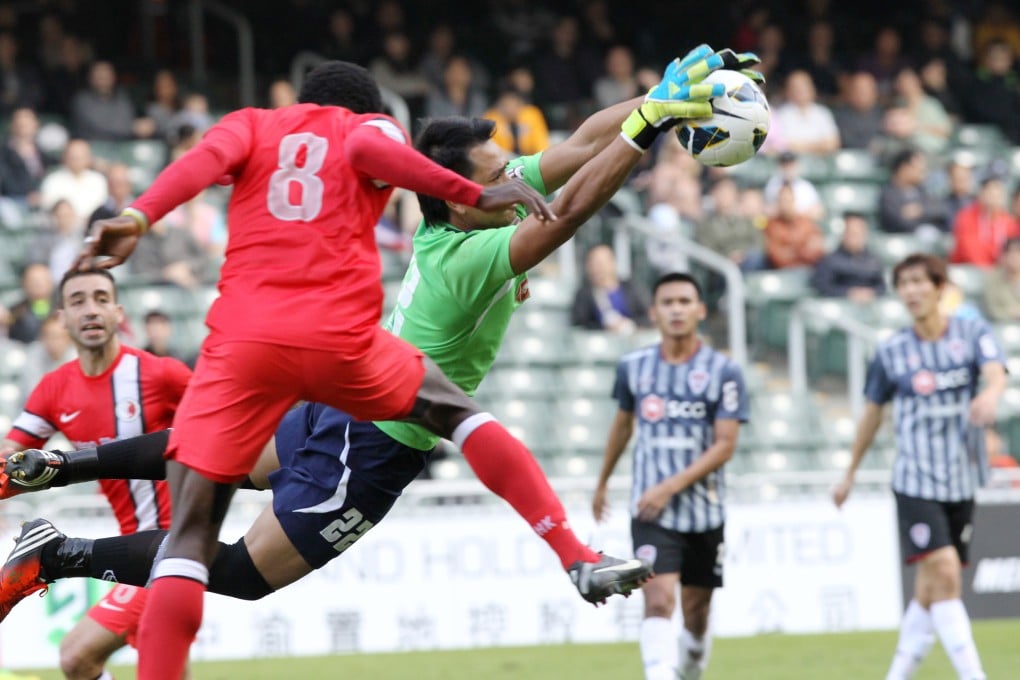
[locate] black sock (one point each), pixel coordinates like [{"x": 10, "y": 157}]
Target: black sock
[
  {"x": 234, "y": 574},
  {"x": 135, "y": 458},
  {"x": 126, "y": 559}
]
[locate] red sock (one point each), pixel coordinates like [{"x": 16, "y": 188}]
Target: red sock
[
  {"x": 173, "y": 615},
  {"x": 508, "y": 469}
]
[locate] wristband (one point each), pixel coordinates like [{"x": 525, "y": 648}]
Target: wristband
[
  {"x": 638, "y": 132},
  {"x": 138, "y": 216}
]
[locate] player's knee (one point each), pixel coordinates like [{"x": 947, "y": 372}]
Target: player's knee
[
  {"x": 78, "y": 661},
  {"x": 234, "y": 574},
  {"x": 659, "y": 605}
]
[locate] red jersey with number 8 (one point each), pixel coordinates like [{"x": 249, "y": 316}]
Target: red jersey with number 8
[{"x": 302, "y": 268}]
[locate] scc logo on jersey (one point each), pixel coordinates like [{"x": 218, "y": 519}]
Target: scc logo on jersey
[
  {"x": 925, "y": 382},
  {"x": 654, "y": 408},
  {"x": 127, "y": 409}
]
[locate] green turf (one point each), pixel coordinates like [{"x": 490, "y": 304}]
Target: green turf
[{"x": 850, "y": 656}]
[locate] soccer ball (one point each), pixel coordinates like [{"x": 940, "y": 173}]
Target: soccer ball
[{"x": 737, "y": 128}]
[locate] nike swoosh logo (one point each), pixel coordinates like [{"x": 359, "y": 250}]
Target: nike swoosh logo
[
  {"x": 68, "y": 417},
  {"x": 106, "y": 605}
]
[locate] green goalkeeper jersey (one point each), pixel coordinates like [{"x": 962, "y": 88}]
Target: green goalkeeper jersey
[{"x": 456, "y": 300}]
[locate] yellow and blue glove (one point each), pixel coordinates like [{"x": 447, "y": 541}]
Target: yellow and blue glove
[{"x": 682, "y": 94}]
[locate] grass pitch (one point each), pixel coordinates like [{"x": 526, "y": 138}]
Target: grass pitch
[{"x": 851, "y": 656}]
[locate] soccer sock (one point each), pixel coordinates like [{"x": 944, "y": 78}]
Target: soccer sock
[
  {"x": 172, "y": 617},
  {"x": 658, "y": 648},
  {"x": 125, "y": 559},
  {"x": 953, "y": 627},
  {"x": 916, "y": 639},
  {"x": 507, "y": 468},
  {"x": 233, "y": 574},
  {"x": 694, "y": 649},
  {"x": 135, "y": 458}
]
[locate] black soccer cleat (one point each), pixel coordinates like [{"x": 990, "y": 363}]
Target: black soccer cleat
[
  {"x": 596, "y": 581},
  {"x": 22, "y": 573},
  {"x": 28, "y": 470}
]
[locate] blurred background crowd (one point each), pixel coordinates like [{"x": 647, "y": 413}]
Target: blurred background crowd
[{"x": 894, "y": 128}]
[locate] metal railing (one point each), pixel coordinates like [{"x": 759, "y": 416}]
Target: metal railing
[
  {"x": 823, "y": 316},
  {"x": 245, "y": 46},
  {"x": 735, "y": 288}
]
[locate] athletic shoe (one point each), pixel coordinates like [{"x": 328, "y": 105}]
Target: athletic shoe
[
  {"x": 609, "y": 576},
  {"x": 28, "y": 470},
  {"x": 22, "y": 574}
]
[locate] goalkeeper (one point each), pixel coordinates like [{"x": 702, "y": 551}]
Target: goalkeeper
[{"x": 468, "y": 276}]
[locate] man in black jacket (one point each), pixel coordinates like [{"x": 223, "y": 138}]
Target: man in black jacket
[{"x": 852, "y": 270}]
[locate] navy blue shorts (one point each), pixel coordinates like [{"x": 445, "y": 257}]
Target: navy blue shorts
[{"x": 338, "y": 478}]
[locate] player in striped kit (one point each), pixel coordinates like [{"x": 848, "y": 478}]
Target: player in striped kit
[
  {"x": 688, "y": 401},
  {"x": 109, "y": 392},
  {"x": 931, "y": 371}
]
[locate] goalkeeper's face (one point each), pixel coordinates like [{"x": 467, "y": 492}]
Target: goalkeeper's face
[{"x": 489, "y": 163}]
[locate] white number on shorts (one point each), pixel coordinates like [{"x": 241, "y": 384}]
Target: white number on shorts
[
  {"x": 310, "y": 202},
  {"x": 343, "y": 533}
]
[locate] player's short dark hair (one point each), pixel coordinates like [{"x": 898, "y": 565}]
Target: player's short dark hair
[
  {"x": 903, "y": 157},
  {"x": 341, "y": 83},
  {"x": 447, "y": 142},
  {"x": 156, "y": 315},
  {"x": 933, "y": 265},
  {"x": 676, "y": 277},
  {"x": 75, "y": 273}
]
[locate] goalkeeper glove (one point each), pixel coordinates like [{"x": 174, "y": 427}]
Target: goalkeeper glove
[{"x": 680, "y": 94}]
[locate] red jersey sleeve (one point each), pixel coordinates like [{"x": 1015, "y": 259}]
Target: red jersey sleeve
[
  {"x": 377, "y": 149},
  {"x": 222, "y": 152},
  {"x": 35, "y": 425}
]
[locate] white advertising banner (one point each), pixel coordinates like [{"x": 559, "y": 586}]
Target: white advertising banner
[{"x": 462, "y": 577}]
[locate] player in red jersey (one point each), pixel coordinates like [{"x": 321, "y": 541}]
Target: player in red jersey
[
  {"x": 298, "y": 318},
  {"x": 109, "y": 392}
]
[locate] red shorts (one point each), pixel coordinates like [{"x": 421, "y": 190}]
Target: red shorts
[
  {"x": 120, "y": 610},
  {"x": 240, "y": 391}
]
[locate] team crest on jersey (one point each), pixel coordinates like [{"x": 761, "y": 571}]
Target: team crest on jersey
[
  {"x": 697, "y": 380},
  {"x": 913, "y": 361},
  {"x": 653, "y": 408},
  {"x": 516, "y": 172},
  {"x": 920, "y": 534},
  {"x": 957, "y": 350},
  {"x": 127, "y": 409},
  {"x": 646, "y": 553},
  {"x": 923, "y": 383},
  {"x": 523, "y": 292}
]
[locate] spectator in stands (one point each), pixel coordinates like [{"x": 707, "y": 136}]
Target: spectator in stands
[
  {"x": 807, "y": 125},
  {"x": 26, "y": 316},
  {"x": 604, "y": 302},
  {"x": 728, "y": 231},
  {"x": 159, "y": 334},
  {"x": 807, "y": 200},
  {"x": 994, "y": 93},
  {"x": 185, "y": 138},
  {"x": 457, "y": 96},
  {"x": 619, "y": 82},
  {"x": 194, "y": 112},
  {"x": 998, "y": 23},
  {"x": 792, "y": 239},
  {"x": 51, "y": 349},
  {"x": 396, "y": 70},
  {"x": 1002, "y": 287},
  {"x": 771, "y": 48},
  {"x": 852, "y": 271},
  {"x": 22, "y": 163},
  {"x": 982, "y": 228},
  {"x": 904, "y": 205},
  {"x": 935, "y": 78},
  {"x": 103, "y": 111},
  {"x": 281, "y": 93},
  {"x": 165, "y": 104},
  {"x": 75, "y": 181},
  {"x": 821, "y": 62},
  {"x": 960, "y": 178},
  {"x": 174, "y": 253},
  {"x": 59, "y": 242},
  {"x": 884, "y": 61},
  {"x": 859, "y": 117},
  {"x": 48, "y": 44},
  {"x": 70, "y": 76},
  {"x": 20, "y": 85},
  {"x": 954, "y": 302},
  {"x": 342, "y": 42},
  {"x": 119, "y": 193},
  {"x": 568, "y": 71},
  {"x": 205, "y": 221},
  {"x": 520, "y": 126},
  {"x": 931, "y": 122},
  {"x": 442, "y": 46}
]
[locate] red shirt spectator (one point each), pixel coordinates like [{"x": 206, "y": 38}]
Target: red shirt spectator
[
  {"x": 983, "y": 227},
  {"x": 792, "y": 239}
]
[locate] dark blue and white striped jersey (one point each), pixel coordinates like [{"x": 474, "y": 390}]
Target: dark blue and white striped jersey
[
  {"x": 940, "y": 455},
  {"x": 676, "y": 406}
]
